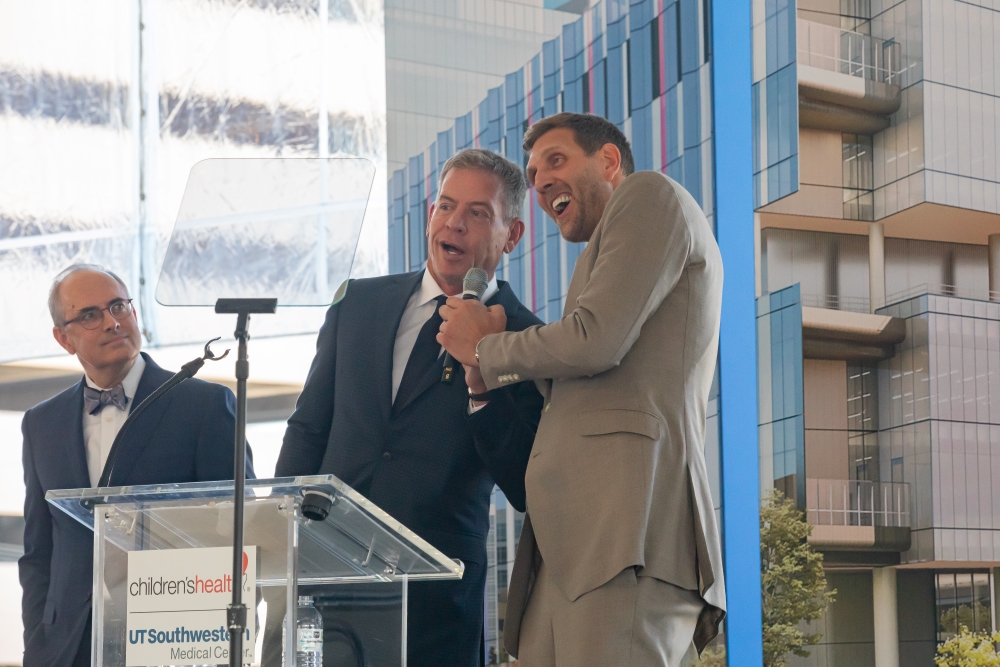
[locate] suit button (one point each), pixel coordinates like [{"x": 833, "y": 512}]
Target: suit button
[{"x": 387, "y": 456}]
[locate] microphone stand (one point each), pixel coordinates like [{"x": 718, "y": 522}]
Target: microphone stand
[{"x": 236, "y": 613}]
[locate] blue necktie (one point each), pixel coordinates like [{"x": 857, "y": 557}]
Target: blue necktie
[{"x": 94, "y": 400}]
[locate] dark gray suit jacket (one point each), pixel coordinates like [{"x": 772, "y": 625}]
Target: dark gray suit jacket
[
  {"x": 422, "y": 459},
  {"x": 185, "y": 436}
]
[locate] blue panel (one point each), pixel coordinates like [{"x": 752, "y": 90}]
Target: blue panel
[
  {"x": 671, "y": 47},
  {"x": 573, "y": 67},
  {"x": 617, "y": 105},
  {"x": 491, "y": 129},
  {"x": 616, "y": 11},
  {"x": 641, "y": 60},
  {"x": 463, "y": 132},
  {"x": 737, "y": 347},
  {"x": 599, "y": 93},
  {"x": 787, "y": 103},
  {"x": 692, "y": 175},
  {"x": 756, "y": 143},
  {"x": 515, "y": 116},
  {"x": 641, "y": 12},
  {"x": 572, "y": 46},
  {"x": 537, "y": 100},
  {"x": 397, "y": 219},
  {"x": 691, "y": 56},
  {"x": 552, "y": 68},
  {"x": 675, "y": 169},
  {"x": 642, "y": 137},
  {"x": 675, "y": 147},
  {"x": 432, "y": 178},
  {"x": 445, "y": 147},
  {"x": 776, "y": 132},
  {"x": 417, "y": 205},
  {"x": 692, "y": 110}
]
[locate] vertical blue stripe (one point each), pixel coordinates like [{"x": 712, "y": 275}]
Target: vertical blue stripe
[{"x": 737, "y": 347}]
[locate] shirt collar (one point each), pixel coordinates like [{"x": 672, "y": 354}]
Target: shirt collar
[
  {"x": 131, "y": 382},
  {"x": 430, "y": 290}
]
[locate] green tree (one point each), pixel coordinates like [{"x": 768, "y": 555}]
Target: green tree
[
  {"x": 793, "y": 584},
  {"x": 713, "y": 656},
  {"x": 969, "y": 649},
  {"x": 952, "y": 619}
]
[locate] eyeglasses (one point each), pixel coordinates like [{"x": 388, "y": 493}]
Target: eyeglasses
[{"x": 91, "y": 318}]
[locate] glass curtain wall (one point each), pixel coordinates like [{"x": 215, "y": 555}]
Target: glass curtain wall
[
  {"x": 68, "y": 182},
  {"x": 939, "y": 415},
  {"x": 781, "y": 399},
  {"x": 643, "y": 64},
  {"x": 105, "y": 106},
  {"x": 775, "y": 101}
]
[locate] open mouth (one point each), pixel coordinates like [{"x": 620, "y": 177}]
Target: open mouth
[
  {"x": 560, "y": 203},
  {"x": 450, "y": 249}
]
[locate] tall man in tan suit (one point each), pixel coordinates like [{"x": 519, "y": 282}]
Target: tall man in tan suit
[{"x": 619, "y": 561}]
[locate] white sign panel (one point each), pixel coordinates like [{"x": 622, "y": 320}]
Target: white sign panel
[{"x": 177, "y": 601}]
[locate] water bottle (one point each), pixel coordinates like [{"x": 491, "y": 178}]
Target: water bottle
[{"x": 309, "y": 635}]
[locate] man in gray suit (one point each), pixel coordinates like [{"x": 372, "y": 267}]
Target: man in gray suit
[{"x": 619, "y": 561}]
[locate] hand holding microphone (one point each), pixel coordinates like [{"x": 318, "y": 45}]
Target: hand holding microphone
[
  {"x": 473, "y": 287},
  {"x": 466, "y": 323}
]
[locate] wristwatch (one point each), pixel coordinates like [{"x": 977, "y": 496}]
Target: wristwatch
[{"x": 485, "y": 396}]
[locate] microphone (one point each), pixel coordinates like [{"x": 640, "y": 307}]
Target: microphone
[{"x": 473, "y": 287}]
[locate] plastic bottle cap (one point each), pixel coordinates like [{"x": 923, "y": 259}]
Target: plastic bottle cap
[{"x": 305, "y": 599}]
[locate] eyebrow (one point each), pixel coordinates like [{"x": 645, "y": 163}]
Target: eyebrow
[
  {"x": 487, "y": 204},
  {"x": 109, "y": 303}
]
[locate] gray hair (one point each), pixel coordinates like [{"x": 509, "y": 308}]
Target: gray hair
[
  {"x": 55, "y": 307},
  {"x": 512, "y": 181}
]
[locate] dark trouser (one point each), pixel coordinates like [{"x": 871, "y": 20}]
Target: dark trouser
[{"x": 82, "y": 658}]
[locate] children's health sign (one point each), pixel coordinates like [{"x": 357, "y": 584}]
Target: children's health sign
[{"x": 177, "y": 599}]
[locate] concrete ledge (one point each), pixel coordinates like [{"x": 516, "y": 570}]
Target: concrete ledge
[
  {"x": 860, "y": 538},
  {"x": 842, "y": 537}
]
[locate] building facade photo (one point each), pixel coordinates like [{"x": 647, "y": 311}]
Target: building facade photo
[{"x": 877, "y": 246}]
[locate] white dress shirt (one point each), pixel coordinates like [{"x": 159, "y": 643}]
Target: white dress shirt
[
  {"x": 419, "y": 309},
  {"x": 99, "y": 430}
]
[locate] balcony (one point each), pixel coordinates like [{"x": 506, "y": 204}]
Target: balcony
[
  {"x": 855, "y": 515},
  {"x": 848, "y": 335},
  {"x": 848, "y": 82}
]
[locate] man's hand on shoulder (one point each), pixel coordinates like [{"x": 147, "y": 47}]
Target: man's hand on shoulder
[{"x": 466, "y": 322}]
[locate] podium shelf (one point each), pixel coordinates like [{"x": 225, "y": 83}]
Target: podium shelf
[{"x": 357, "y": 542}]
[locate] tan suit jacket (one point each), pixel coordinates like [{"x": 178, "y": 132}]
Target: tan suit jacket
[{"x": 617, "y": 474}]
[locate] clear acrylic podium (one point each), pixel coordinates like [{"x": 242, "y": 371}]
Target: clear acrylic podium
[{"x": 357, "y": 562}]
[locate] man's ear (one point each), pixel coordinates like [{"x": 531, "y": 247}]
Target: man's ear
[
  {"x": 514, "y": 233},
  {"x": 63, "y": 340},
  {"x": 612, "y": 161}
]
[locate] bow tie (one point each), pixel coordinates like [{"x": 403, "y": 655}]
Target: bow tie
[{"x": 94, "y": 400}]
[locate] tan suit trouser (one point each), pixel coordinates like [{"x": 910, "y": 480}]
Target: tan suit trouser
[{"x": 631, "y": 621}]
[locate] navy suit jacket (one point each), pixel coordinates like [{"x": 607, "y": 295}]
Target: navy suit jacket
[
  {"x": 423, "y": 459},
  {"x": 185, "y": 436}
]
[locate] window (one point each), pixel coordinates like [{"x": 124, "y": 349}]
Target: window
[{"x": 962, "y": 599}]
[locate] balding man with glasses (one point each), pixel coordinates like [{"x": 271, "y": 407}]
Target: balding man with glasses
[{"x": 186, "y": 436}]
